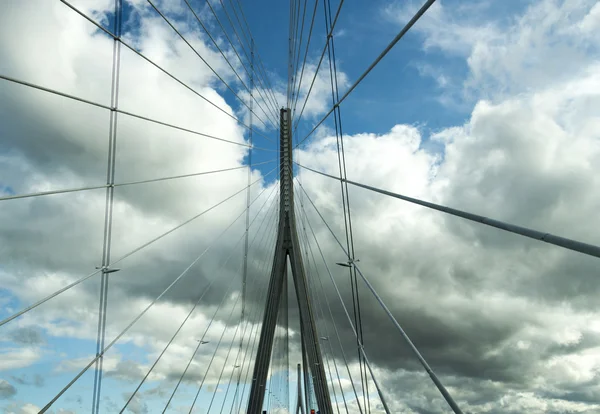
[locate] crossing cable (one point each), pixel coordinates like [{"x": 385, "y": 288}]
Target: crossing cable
[
  {"x": 216, "y": 349},
  {"x": 389, "y": 47},
  {"x": 215, "y": 313},
  {"x": 414, "y": 349},
  {"x": 250, "y": 58},
  {"x": 242, "y": 46},
  {"x": 130, "y": 253},
  {"x": 289, "y": 63},
  {"x": 120, "y": 111},
  {"x": 260, "y": 65},
  {"x": 224, "y": 365},
  {"x": 196, "y": 304},
  {"x": 235, "y": 32},
  {"x": 137, "y": 318},
  {"x": 312, "y": 23},
  {"x": 247, "y": 321},
  {"x": 304, "y": 238},
  {"x": 226, "y": 59},
  {"x": 346, "y": 203},
  {"x": 297, "y": 46},
  {"x": 250, "y": 41},
  {"x": 207, "y": 64},
  {"x": 245, "y": 264},
  {"x": 235, "y": 365},
  {"x": 570, "y": 244},
  {"x": 361, "y": 346},
  {"x": 254, "y": 329},
  {"x": 157, "y": 66},
  {"x": 108, "y": 209},
  {"x": 297, "y": 58},
  {"x": 312, "y": 83},
  {"x": 123, "y": 184},
  {"x": 317, "y": 296}
]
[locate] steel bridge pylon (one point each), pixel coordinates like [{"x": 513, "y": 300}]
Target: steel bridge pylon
[{"x": 287, "y": 246}]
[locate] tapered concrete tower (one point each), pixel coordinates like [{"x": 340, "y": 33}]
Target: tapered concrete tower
[{"x": 288, "y": 246}]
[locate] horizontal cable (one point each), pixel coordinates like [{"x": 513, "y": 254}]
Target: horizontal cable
[
  {"x": 72, "y": 190},
  {"x": 169, "y": 74},
  {"x": 422, "y": 360},
  {"x": 108, "y": 108},
  {"x": 51, "y": 192},
  {"x": 389, "y": 47},
  {"x": 78, "y": 281},
  {"x": 585, "y": 248}
]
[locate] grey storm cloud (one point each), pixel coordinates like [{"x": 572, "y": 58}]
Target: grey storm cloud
[
  {"x": 27, "y": 336},
  {"x": 7, "y": 390}
]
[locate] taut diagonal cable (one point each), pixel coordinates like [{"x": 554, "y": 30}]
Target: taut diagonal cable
[
  {"x": 570, "y": 244},
  {"x": 182, "y": 37},
  {"x": 137, "y": 249},
  {"x": 414, "y": 349},
  {"x": 134, "y": 50},
  {"x": 389, "y": 47},
  {"x": 209, "y": 322},
  {"x": 193, "y": 308}
]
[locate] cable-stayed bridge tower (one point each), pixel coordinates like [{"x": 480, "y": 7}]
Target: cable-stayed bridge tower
[{"x": 288, "y": 246}]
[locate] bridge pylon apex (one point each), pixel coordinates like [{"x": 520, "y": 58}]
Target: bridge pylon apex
[{"x": 288, "y": 247}]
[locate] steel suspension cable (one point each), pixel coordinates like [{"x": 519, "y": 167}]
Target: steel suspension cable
[
  {"x": 123, "y": 184},
  {"x": 346, "y": 203},
  {"x": 570, "y": 244},
  {"x": 130, "y": 253},
  {"x": 195, "y": 305},
  {"x": 215, "y": 352},
  {"x": 250, "y": 41},
  {"x": 241, "y": 43},
  {"x": 312, "y": 23},
  {"x": 413, "y": 348},
  {"x": 137, "y": 318},
  {"x": 361, "y": 347},
  {"x": 227, "y": 60},
  {"x": 296, "y": 48},
  {"x": 213, "y": 316},
  {"x": 254, "y": 329},
  {"x": 120, "y": 111},
  {"x": 206, "y": 63},
  {"x": 320, "y": 315},
  {"x": 260, "y": 65},
  {"x": 199, "y": 20},
  {"x": 389, "y": 47},
  {"x": 312, "y": 83},
  {"x": 138, "y": 53},
  {"x": 108, "y": 209}
]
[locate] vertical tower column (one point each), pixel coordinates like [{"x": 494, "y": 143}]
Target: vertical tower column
[{"x": 288, "y": 245}]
